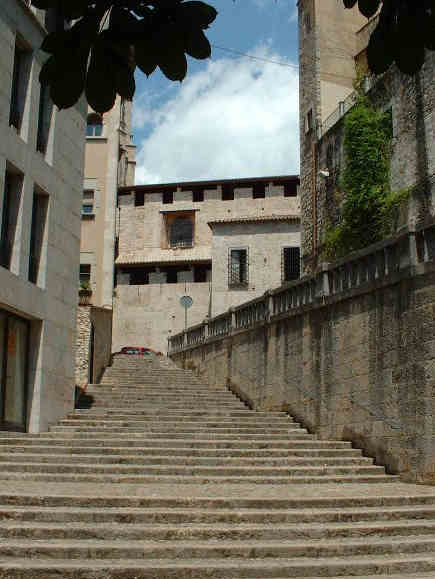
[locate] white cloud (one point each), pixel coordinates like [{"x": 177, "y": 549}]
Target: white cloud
[{"x": 237, "y": 118}]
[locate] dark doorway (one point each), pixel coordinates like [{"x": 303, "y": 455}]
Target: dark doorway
[{"x": 14, "y": 349}]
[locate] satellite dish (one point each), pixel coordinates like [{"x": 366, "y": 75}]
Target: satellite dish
[{"x": 186, "y": 302}]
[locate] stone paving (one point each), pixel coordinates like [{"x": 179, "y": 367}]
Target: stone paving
[{"x": 164, "y": 476}]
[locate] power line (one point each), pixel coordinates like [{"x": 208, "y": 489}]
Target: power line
[{"x": 289, "y": 65}]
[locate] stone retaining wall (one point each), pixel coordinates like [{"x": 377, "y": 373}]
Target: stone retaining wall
[{"x": 358, "y": 366}]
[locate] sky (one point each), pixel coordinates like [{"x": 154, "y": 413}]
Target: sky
[{"x": 232, "y": 116}]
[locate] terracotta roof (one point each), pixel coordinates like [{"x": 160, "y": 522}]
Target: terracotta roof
[
  {"x": 151, "y": 256},
  {"x": 255, "y": 218}
]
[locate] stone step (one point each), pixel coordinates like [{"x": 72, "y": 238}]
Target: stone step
[
  {"x": 213, "y": 549},
  {"x": 178, "y": 414},
  {"x": 192, "y": 434},
  {"x": 93, "y": 498},
  {"x": 248, "y": 420},
  {"x": 176, "y": 515},
  {"x": 132, "y": 439},
  {"x": 196, "y": 480},
  {"x": 182, "y": 470},
  {"x": 111, "y": 425},
  {"x": 309, "y": 568},
  {"x": 80, "y": 449},
  {"x": 134, "y": 459},
  {"x": 213, "y": 532}
]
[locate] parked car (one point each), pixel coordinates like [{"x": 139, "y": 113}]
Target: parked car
[{"x": 139, "y": 351}]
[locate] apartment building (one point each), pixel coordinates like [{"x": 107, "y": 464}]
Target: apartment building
[
  {"x": 215, "y": 244},
  {"x": 41, "y": 174}
]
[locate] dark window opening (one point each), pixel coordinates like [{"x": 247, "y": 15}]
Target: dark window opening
[
  {"x": 290, "y": 189},
  {"x": 198, "y": 195},
  {"x": 227, "y": 193},
  {"x": 181, "y": 232},
  {"x": 10, "y": 210},
  {"x": 95, "y": 125},
  {"x": 20, "y": 80},
  {"x": 85, "y": 276},
  {"x": 291, "y": 263},
  {"x": 238, "y": 267},
  {"x": 139, "y": 198},
  {"x": 168, "y": 197},
  {"x": 259, "y": 191},
  {"x": 44, "y": 118},
  {"x": 39, "y": 214},
  {"x": 200, "y": 273}
]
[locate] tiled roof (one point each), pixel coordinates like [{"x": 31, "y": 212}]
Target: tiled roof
[{"x": 255, "y": 218}]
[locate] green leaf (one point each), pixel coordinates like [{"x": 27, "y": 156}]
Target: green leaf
[
  {"x": 173, "y": 66},
  {"x": 125, "y": 84},
  {"x": 197, "y": 44},
  {"x": 368, "y": 8},
  {"x": 196, "y": 14},
  {"x": 100, "y": 82}
]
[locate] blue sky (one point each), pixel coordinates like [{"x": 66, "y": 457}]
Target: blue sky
[{"x": 232, "y": 116}]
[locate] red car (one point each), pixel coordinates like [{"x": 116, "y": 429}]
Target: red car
[{"x": 138, "y": 351}]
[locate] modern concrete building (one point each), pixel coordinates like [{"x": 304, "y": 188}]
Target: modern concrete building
[
  {"x": 332, "y": 41},
  {"x": 217, "y": 242},
  {"x": 41, "y": 174}
]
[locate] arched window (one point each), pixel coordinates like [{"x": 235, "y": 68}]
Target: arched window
[
  {"x": 181, "y": 232},
  {"x": 95, "y": 125}
]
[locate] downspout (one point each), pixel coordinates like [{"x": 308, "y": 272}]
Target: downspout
[{"x": 314, "y": 197}]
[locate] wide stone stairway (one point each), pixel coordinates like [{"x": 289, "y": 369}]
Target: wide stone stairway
[{"x": 164, "y": 476}]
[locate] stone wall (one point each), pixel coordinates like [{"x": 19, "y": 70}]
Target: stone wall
[
  {"x": 101, "y": 321},
  {"x": 82, "y": 344},
  {"x": 411, "y": 101},
  {"x": 355, "y": 362}
]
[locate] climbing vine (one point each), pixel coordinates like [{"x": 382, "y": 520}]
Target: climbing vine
[{"x": 370, "y": 208}]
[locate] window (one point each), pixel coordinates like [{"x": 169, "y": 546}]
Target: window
[
  {"x": 39, "y": 215},
  {"x": 139, "y": 198},
  {"x": 291, "y": 263},
  {"x": 11, "y": 203},
  {"x": 181, "y": 232},
  {"x": 85, "y": 276},
  {"x": 290, "y": 189},
  {"x": 95, "y": 125},
  {"x": 259, "y": 191},
  {"x": 309, "y": 121},
  {"x": 168, "y": 197},
  {"x": 198, "y": 195},
  {"x": 44, "y": 118},
  {"x": 88, "y": 202},
  {"x": 20, "y": 82},
  {"x": 227, "y": 193},
  {"x": 307, "y": 22},
  {"x": 200, "y": 272},
  {"x": 238, "y": 267}
]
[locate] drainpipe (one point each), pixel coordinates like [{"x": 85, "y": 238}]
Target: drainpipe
[{"x": 314, "y": 196}]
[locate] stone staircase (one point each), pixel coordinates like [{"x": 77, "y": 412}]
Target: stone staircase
[{"x": 164, "y": 476}]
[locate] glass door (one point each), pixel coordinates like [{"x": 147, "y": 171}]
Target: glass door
[{"x": 14, "y": 336}]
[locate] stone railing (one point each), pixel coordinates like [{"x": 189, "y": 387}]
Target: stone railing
[{"x": 376, "y": 263}]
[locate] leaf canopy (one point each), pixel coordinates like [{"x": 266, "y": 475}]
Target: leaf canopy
[{"x": 100, "y": 52}]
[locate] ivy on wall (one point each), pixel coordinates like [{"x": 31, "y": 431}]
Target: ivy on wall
[{"x": 370, "y": 208}]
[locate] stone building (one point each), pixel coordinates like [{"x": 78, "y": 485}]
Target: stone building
[
  {"x": 109, "y": 163},
  {"x": 218, "y": 242},
  {"x": 332, "y": 42},
  {"x": 41, "y": 174}
]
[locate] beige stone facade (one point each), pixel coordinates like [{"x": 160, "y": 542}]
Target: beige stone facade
[
  {"x": 41, "y": 172},
  {"x": 186, "y": 239},
  {"x": 109, "y": 164}
]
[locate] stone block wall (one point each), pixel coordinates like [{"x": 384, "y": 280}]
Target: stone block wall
[
  {"x": 357, "y": 366},
  {"x": 101, "y": 321}
]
